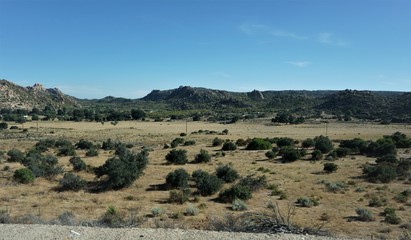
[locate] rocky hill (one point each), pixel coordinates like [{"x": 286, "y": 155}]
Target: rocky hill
[{"x": 13, "y": 96}]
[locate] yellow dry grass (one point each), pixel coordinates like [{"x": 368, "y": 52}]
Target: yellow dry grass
[{"x": 297, "y": 179}]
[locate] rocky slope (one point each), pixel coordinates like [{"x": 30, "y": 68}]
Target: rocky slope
[{"x": 13, "y": 96}]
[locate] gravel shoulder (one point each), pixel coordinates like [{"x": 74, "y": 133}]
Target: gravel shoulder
[{"x": 26, "y": 232}]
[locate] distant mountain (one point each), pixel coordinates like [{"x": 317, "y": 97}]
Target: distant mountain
[
  {"x": 13, "y": 96},
  {"x": 372, "y": 105}
]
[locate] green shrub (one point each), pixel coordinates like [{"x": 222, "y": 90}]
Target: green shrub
[
  {"x": 290, "y": 154},
  {"x": 323, "y": 144},
  {"x": 285, "y": 142},
  {"x": 62, "y": 142},
  {"x": 259, "y": 144},
  {"x": 66, "y": 150},
  {"x": 356, "y": 145},
  {"x": 179, "y": 196},
  {"x": 330, "y": 167},
  {"x": 376, "y": 201},
  {"x": 78, "y": 164},
  {"x": 203, "y": 157},
  {"x": 178, "y": 179},
  {"x": 364, "y": 215},
  {"x": 71, "y": 182},
  {"x": 44, "y": 144},
  {"x": 307, "y": 202},
  {"x": 156, "y": 211},
  {"x": 198, "y": 174},
  {"x": 342, "y": 152},
  {"x": 390, "y": 216},
  {"x": 83, "y": 144},
  {"x": 176, "y": 142},
  {"x": 123, "y": 170},
  {"x": 42, "y": 166},
  {"x": 403, "y": 196},
  {"x": 3, "y": 125},
  {"x": 390, "y": 158},
  {"x": 381, "y": 147},
  {"x": 191, "y": 210},
  {"x": 383, "y": 172},
  {"x": 108, "y": 145},
  {"x": 177, "y": 157},
  {"x": 189, "y": 143},
  {"x": 227, "y": 173},
  {"x": 23, "y": 175},
  {"x": 316, "y": 155},
  {"x": 242, "y": 142},
  {"x": 229, "y": 146},
  {"x": 15, "y": 155},
  {"x": 238, "y": 205},
  {"x": 92, "y": 152},
  {"x": 307, "y": 143},
  {"x": 207, "y": 184},
  {"x": 235, "y": 192},
  {"x": 217, "y": 142},
  {"x": 270, "y": 154},
  {"x": 254, "y": 183},
  {"x": 400, "y": 139}
]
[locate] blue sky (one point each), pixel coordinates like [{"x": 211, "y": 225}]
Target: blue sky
[{"x": 96, "y": 48}]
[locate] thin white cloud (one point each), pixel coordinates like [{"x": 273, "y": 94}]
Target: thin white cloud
[
  {"x": 258, "y": 29},
  {"x": 330, "y": 39},
  {"x": 299, "y": 63}
]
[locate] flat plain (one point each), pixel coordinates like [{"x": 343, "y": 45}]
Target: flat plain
[{"x": 303, "y": 178}]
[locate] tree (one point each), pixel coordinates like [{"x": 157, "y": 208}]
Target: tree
[
  {"x": 178, "y": 179},
  {"x": 227, "y": 173},
  {"x": 177, "y": 156},
  {"x": 203, "y": 157},
  {"x": 323, "y": 144},
  {"x": 3, "y": 125},
  {"x": 122, "y": 170},
  {"x": 259, "y": 144},
  {"x": 137, "y": 114},
  {"x": 290, "y": 154}
]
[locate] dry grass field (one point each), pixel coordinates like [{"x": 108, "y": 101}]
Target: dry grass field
[{"x": 297, "y": 179}]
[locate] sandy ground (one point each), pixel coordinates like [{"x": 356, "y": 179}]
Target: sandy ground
[{"x": 14, "y": 232}]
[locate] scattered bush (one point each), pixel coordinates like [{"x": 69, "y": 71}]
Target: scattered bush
[
  {"x": 156, "y": 211},
  {"x": 383, "y": 172},
  {"x": 400, "y": 140},
  {"x": 189, "y": 143},
  {"x": 123, "y": 170},
  {"x": 285, "y": 142},
  {"x": 23, "y": 175},
  {"x": 217, "y": 142},
  {"x": 178, "y": 179},
  {"x": 377, "y": 201},
  {"x": 235, "y": 192},
  {"x": 71, "y": 182},
  {"x": 42, "y": 166},
  {"x": 177, "y": 157},
  {"x": 44, "y": 144},
  {"x": 381, "y": 147},
  {"x": 259, "y": 144},
  {"x": 330, "y": 167},
  {"x": 83, "y": 144},
  {"x": 356, "y": 145},
  {"x": 342, "y": 152},
  {"x": 78, "y": 164},
  {"x": 307, "y": 202},
  {"x": 254, "y": 183},
  {"x": 323, "y": 144},
  {"x": 3, "y": 125},
  {"x": 207, "y": 184},
  {"x": 15, "y": 155},
  {"x": 176, "y": 142},
  {"x": 191, "y": 210},
  {"x": 364, "y": 215},
  {"x": 227, "y": 173},
  {"x": 66, "y": 150},
  {"x": 335, "y": 187},
  {"x": 242, "y": 142},
  {"x": 229, "y": 146},
  {"x": 271, "y": 154},
  {"x": 316, "y": 155},
  {"x": 389, "y": 158},
  {"x": 390, "y": 216},
  {"x": 290, "y": 154},
  {"x": 307, "y": 143},
  {"x": 203, "y": 157},
  {"x": 108, "y": 145},
  {"x": 179, "y": 196},
  {"x": 403, "y": 196},
  {"x": 238, "y": 205},
  {"x": 92, "y": 152}
]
